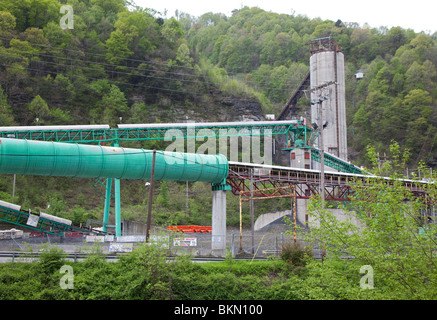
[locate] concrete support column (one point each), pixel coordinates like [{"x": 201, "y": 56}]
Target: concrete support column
[
  {"x": 302, "y": 211},
  {"x": 218, "y": 243}
]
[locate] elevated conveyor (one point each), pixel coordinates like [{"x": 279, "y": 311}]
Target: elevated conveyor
[
  {"x": 89, "y": 161},
  {"x": 336, "y": 163},
  {"x": 49, "y": 224},
  {"x": 270, "y": 181},
  {"x": 74, "y": 160},
  {"x": 96, "y": 134},
  {"x": 30, "y": 157},
  {"x": 143, "y": 132}
]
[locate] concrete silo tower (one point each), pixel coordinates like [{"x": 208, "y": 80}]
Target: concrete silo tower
[{"x": 327, "y": 66}]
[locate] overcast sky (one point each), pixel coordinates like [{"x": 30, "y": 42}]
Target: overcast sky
[{"x": 419, "y": 15}]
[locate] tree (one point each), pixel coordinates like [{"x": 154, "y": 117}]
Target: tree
[
  {"x": 386, "y": 227},
  {"x": 39, "y": 109},
  {"x": 114, "y": 105},
  {"x": 415, "y": 76},
  {"x": 110, "y": 6},
  {"x": 417, "y": 105},
  {"x": 183, "y": 56},
  {"x": 172, "y": 31},
  {"x": 35, "y": 13},
  {"x": 323, "y": 30},
  {"x": 162, "y": 198},
  {"x": 395, "y": 38},
  {"x": 57, "y": 37},
  {"x": 7, "y": 23},
  {"x": 6, "y": 116},
  {"x": 118, "y": 47},
  {"x": 141, "y": 29}
]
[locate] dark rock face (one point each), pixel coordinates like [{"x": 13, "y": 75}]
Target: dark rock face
[{"x": 241, "y": 109}]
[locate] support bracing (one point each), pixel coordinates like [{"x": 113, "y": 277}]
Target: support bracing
[
  {"x": 107, "y": 204},
  {"x": 117, "y": 208}
]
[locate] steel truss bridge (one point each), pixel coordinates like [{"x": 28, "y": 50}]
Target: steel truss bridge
[{"x": 262, "y": 181}]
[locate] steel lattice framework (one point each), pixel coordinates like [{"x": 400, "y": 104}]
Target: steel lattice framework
[
  {"x": 269, "y": 181},
  {"x": 141, "y": 132},
  {"x": 295, "y": 130}
]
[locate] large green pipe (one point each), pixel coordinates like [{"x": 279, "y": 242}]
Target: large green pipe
[{"x": 78, "y": 160}]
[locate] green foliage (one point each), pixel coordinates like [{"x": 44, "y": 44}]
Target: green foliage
[
  {"x": 384, "y": 227},
  {"x": 118, "y": 47},
  {"x": 295, "y": 255},
  {"x": 38, "y": 108},
  {"x": 7, "y": 23},
  {"x": 55, "y": 204},
  {"x": 51, "y": 258},
  {"x": 154, "y": 68},
  {"x": 32, "y": 13},
  {"x": 145, "y": 274},
  {"x": 135, "y": 65},
  {"x": 259, "y": 47},
  {"x": 6, "y": 116}
]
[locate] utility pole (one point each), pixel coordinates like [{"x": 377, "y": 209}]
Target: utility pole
[
  {"x": 252, "y": 211},
  {"x": 13, "y": 187},
  {"x": 319, "y": 102},
  {"x": 322, "y": 157},
  {"x": 186, "y": 184},
  {"x": 321, "y": 125}
]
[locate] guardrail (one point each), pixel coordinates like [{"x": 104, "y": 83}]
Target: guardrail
[
  {"x": 78, "y": 256},
  {"x": 36, "y": 255}
]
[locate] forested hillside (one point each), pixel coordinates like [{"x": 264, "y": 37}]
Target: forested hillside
[
  {"x": 117, "y": 61},
  {"x": 124, "y": 63},
  {"x": 395, "y": 100}
]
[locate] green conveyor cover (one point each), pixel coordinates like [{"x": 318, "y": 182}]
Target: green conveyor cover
[{"x": 30, "y": 157}]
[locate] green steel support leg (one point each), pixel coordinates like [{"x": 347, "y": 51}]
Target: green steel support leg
[
  {"x": 117, "y": 208},
  {"x": 107, "y": 204},
  {"x": 117, "y": 202}
]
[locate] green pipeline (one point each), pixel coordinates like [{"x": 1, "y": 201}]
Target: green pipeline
[{"x": 29, "y": 157}]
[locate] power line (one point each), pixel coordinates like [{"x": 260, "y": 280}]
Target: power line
[
  {"x": 105, "y": 56},
  {"x": 257, "y": 83},
  {"x": 96, "y": 79},
  {"x": 296, "y": 80},
  {"x": 96, "y": 54},
  {"x": 119, "y": 72},
  {"x": 106, "y": 71}
]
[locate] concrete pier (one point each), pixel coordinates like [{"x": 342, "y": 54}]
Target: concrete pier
[{"x": 218, "y": 245}]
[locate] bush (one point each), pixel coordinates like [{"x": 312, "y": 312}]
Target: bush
[
  {"x": 295, "y": 255},
  {"x": 51, "y": 259}
]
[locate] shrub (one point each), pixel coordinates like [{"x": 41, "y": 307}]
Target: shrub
[
  {"x": 295, "y": 255},
  {"x": 51, "y": 259}
]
